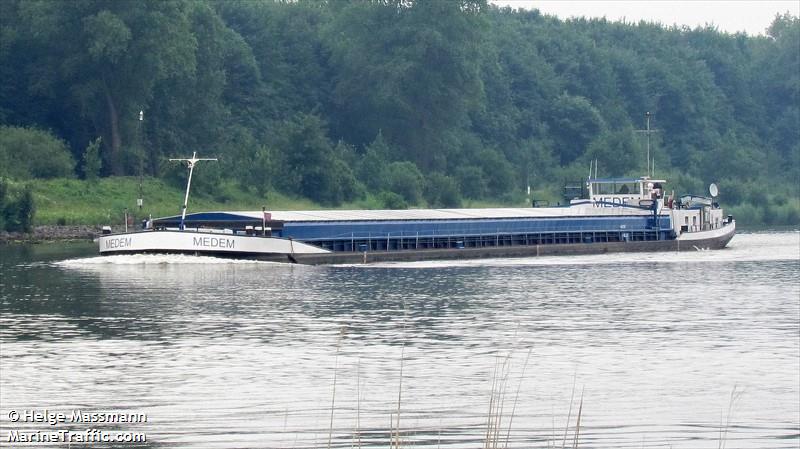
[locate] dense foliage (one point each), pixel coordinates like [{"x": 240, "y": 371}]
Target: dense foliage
[
  {"x": 32, "y": 153},
  {"x": 407, "y": 102},
  {"x": 17, "y": 207}
]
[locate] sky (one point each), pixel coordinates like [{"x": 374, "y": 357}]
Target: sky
[{"x": 750, "y": 16}]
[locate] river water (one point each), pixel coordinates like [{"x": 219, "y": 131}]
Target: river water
[{"x": 662, "y": 350}]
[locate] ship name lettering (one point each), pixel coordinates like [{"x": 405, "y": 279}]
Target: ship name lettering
[
  {"x": 121, "y": 242},
  {"x": 611, "y": 201},
  {"x": 213, "y": 242}
]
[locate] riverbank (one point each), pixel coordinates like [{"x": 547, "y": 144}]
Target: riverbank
[
  {"x": 72, "y": 209},
  {"x": 52, "y": 233},
  {"x": 73, "y": 202}
]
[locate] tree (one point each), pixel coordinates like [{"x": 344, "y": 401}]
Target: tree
[
  {"x": 404, "y": 179},
  {"x": 407, "y": 66},
  {"x": 442, "y": 191},
  {"x": 498, "y": 173},
  {"x": 574, "y": 123},
  {"x": 778, "y": 78},
  {"x": 26, "y": 209},
  {"x": 371, "y": 165},
  {"x": 32, "y": 153},
  {"x": 472, "y": 181},
  {"x": 618, "y": 153},
  {"x": 3, "y": 203},
  {"x": 391, "y": 200},
  {"x": 91, "y": 160},
  {"x": 315, "y": 98},
  {"x": 111, "y": 54},
  {"x": 308, "y": 163},
  {"x": 222, "y": 96},
  {"x": 16, "y": 214}
]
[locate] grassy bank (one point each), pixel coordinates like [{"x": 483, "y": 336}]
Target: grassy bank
[
  {"x": 73, "y": 202},
  {"x": 79, "y": 202}
]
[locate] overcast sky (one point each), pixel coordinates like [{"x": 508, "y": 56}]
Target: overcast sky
[{"x": 750, "y": 16}]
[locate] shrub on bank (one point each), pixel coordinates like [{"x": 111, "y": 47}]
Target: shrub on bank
[
  {"x": 32, "y": 153},
  {"x": 17, "y": 208}
]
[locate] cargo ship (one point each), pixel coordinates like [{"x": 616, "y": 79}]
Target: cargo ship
[{"x": 611, "y": 215}]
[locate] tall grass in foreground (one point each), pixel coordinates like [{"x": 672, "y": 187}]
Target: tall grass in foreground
[
  {"x": 723, "y": 430},
  {"x": 396, "y": 442},
  {"x": 500, "y": 380},
  {"x": 335, "y": 372},
  {"x": 502, "y": 407}
]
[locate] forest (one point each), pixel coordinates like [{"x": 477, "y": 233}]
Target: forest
[{"x": 388, "y": 103}]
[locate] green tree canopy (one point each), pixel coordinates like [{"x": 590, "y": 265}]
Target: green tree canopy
[
  {"x": 430, "y": 100},
  {"x": 32, "y": 153}
]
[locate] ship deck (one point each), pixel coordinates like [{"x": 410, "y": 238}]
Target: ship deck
[{"x": 417, "y": 229}]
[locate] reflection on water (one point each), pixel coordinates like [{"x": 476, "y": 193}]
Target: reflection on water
[{"x": 225, "y": 353}]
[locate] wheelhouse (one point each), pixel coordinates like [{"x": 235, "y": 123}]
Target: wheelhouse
[{"x": 624, "y": 190}]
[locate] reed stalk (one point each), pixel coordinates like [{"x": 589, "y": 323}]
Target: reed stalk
[
  {"x": 723, "y": 431},
  {"x": 578, "y": 423},
  {"x": 358, "y": 402},
  {"x": 285, "y": 422},
  {"x": 569, "y": 413},
  {"x": 491, "y": 406},
  {"x": 335, "y": 371},
  {"x": 396, "y": 443},
  {"x": 499, "y": 392},
  {"x": 516, "y": 397},
  {"x": 503, "y": 389}
]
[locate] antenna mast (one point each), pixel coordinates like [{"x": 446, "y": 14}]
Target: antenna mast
[
  {"x": 190, "y": 164},
  {"x": 648, "y": 131},
  {"x": 647, "y": 119}
]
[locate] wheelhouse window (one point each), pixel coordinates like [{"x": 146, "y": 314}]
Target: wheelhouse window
[
  {"x": 615, "y": 188},
  {"x": 626, "y": 188},
  {"x": 603, "y": 188}
]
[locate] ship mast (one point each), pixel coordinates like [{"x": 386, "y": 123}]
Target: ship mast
[
  {"x": 190, "y": 162},
  {"x": 648, "y": 131}
]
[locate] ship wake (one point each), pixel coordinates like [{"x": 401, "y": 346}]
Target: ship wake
[{"x": 154, "y": 259}]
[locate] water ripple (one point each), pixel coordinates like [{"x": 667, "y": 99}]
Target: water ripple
[{"x": 223, "y": 353}]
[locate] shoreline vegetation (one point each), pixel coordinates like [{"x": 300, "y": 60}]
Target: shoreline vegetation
[
  {"x": 422, "y": 104},
  {"x": 73, "y": 209}
]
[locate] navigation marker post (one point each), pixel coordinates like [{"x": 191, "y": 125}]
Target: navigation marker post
[
  {"x": 140, "y": 200},
  {"x": 189, "y": 163}
]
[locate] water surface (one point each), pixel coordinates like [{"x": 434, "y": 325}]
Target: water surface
[{"x": 678, "y": 350}]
